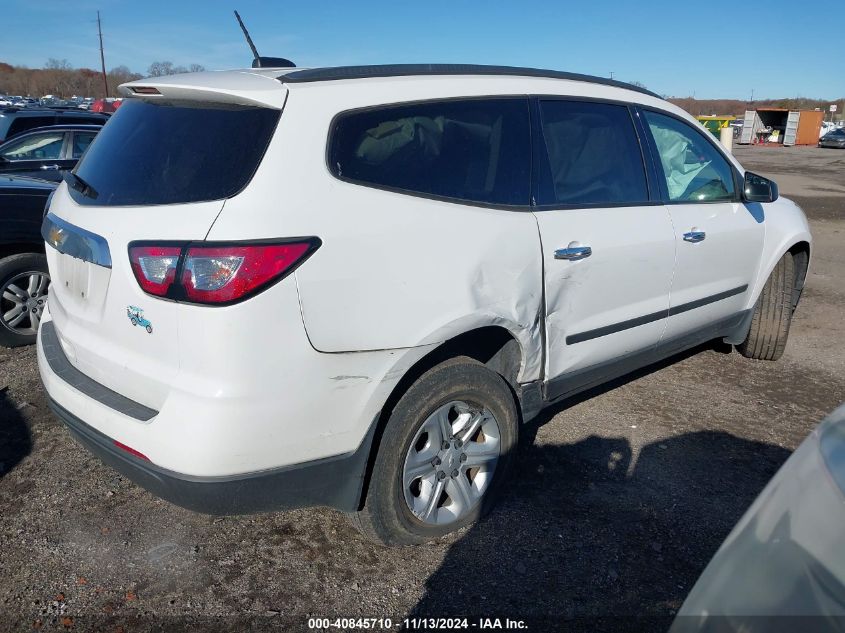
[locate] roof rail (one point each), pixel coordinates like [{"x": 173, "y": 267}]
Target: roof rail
[{"x": 406, "y": 70}]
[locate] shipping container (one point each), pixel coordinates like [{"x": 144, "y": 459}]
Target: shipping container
[{"x": 789, "y": 127}]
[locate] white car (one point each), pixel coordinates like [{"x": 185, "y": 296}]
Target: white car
[{"x": 348, "y": 287}]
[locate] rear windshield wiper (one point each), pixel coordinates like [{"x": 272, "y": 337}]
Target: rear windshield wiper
[{"x": 80, "y": 185}]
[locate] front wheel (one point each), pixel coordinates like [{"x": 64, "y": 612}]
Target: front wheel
[
  {"x": 772, "y": 316},
  {"x": 444, "y": 453},
  {"x": 24, "y": 283}
]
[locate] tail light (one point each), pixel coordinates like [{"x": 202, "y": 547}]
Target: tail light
[
  {"x": 216, "y": 273},
  {"x": 155, "y": 267}
]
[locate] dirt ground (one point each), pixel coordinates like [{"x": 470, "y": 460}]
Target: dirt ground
[{"x": 619, "y": 499}]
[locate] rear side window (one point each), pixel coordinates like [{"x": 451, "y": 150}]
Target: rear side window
[
  {"x": 693, "y": 169},
  {"x": 170, "y": 153},
  {"x": 24, "y": 123},
  {"x": 83, "y": 120},
  {"x": 476, "y": 150},
  {"x": 594, "y": 156},
  {"x": 81, "y": 141}
]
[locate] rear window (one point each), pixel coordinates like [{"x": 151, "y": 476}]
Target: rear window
[
  {"x": 476, "y": 150},
  {"x": 174, "y": 152}
]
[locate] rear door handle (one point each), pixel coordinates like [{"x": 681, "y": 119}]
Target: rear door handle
[
  {"x": 49, "y": 167},
  {"x": 573, "y": 252},
  {"x": 694, "y": 235}
]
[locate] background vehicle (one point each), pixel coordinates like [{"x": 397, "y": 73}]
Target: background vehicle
[
  {"x": 24, "y": 279},
  {"x": 108, "y": 105},
  {"x": 835, "y": 139},
  {"x": 46, "y": 152},
  {"x": 786, "y": 556},
  {"x": 14, "y": 121},
  {"x": 438, "y": 268}
]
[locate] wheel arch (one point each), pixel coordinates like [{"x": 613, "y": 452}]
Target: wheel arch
[
  {"x": 494, "y": 346},
  {"x": 20, "y": 248},
  {"x": 786, "y": 231},
  {"x": 801, "y": 252}
]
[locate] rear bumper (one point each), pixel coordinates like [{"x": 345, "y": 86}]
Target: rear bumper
[{"x": 334, "y": 481}]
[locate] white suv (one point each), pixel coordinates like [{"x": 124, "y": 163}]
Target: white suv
[{"x": 350, "y": 286}]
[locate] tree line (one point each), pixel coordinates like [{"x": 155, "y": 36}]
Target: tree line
[
  {"x": 737, "y": 107},
  {"x": 59, "y": 78}
]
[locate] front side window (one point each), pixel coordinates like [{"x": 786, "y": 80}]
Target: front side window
[
  {"x": 476, "y": 150},
  {"x": 693, "y": 169},
  {"x": 594, "y": 155},
  {"x": 47, "y": 146}
]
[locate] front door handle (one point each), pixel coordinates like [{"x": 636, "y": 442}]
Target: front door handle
[
  {"x": 49, "y": 167},
  {"x": 694, "y": 235},
  {"x": 573, "y": 252}
]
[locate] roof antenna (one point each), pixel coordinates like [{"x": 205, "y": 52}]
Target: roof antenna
[{"x": 257, "y": 60}]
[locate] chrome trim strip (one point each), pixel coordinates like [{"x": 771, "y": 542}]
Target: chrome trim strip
[{"x": 72, "y": 240}]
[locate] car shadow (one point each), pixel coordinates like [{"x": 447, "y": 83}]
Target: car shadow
[
  {"x": 15, "y": 438},
  {"x": 595, "y": 536}
]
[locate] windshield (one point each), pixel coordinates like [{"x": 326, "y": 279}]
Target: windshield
[{"x": 171, "y": 153}]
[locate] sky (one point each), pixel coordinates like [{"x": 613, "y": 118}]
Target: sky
[{"x": 703, "y": 49}]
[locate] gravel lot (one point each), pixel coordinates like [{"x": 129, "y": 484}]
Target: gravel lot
[{"x": 619, "y": 499}]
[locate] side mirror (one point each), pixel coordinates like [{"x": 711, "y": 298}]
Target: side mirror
[{"x": 759, "y": 189}]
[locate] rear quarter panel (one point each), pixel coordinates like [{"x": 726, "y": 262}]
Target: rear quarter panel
[{"x": 394, "y": 270}]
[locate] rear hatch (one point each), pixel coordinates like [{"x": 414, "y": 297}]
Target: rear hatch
[{"x": 160, "y": 171}]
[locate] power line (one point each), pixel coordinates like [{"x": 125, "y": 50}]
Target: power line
[{"x": 102, "y": 57}]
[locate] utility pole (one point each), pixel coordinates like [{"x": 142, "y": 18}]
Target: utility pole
[
  {"x": 102, "y": 57},
  {"x": 611, "y": 74}
]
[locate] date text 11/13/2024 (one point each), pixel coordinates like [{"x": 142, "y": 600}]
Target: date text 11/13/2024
[{"x": 417, "y": 624}]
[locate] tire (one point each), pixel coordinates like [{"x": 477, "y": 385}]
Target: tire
[
  {"x": 16, "y": 274},
  {"x": 149, "y": 329},
  {"x": 475, "y": 404},
  {"x": 772, "y": 316},
  {"x": 134, "y": 321}
]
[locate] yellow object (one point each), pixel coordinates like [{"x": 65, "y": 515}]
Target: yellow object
[{"x": 716, "y": 123}]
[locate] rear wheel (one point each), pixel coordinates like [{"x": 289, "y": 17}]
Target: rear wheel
[
  {"x": 24, "y": 282},
  {"x": 444, "y": 453},
  {"x": 772, "y": 316}
]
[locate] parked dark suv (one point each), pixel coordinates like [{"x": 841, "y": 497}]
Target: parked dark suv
[
  {"x": 23, "y": 268},
  {"x": 14, "y": 120},
  {"x": 46, "y": 152}
]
